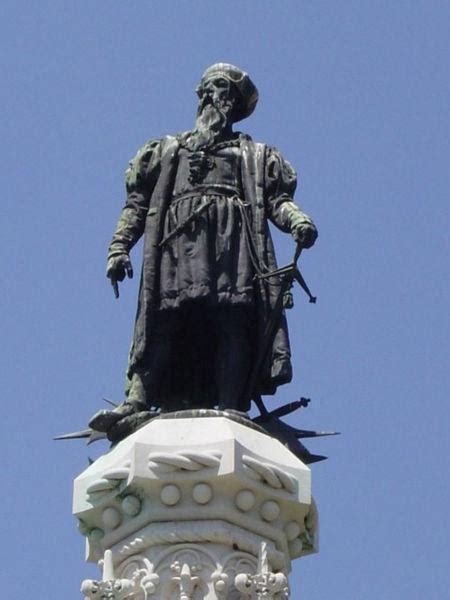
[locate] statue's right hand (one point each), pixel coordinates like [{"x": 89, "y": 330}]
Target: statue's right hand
[
  {"x": 119, "y": 266},
  {"x": 116, "y": 269}
]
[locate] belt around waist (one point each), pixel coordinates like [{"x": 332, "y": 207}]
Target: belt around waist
[{"x": 226, "y": 191}]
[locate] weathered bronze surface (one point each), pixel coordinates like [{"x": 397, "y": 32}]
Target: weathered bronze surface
[{"x": 210, "y": 328}]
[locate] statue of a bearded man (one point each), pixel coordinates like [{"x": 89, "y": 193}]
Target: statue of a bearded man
[{"x": 202, "y": 200}]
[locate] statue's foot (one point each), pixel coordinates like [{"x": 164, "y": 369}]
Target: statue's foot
[
  {"x": 127, "y": 425},
  {"x": 104, "y": 420}
]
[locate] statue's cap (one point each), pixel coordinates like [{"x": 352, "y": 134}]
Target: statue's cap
[{"x": 243, "y": 83}]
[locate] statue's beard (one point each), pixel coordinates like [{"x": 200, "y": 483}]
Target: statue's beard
[{"x": 211, "y": 120}]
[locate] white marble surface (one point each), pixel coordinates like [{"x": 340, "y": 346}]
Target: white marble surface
[{"x": 206, "y": 488}]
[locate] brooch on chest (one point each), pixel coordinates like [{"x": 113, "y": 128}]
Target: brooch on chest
[{"x": 200, "y": 163}]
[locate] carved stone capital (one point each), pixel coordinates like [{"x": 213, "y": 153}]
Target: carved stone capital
[{"x": 184, "y": 506}]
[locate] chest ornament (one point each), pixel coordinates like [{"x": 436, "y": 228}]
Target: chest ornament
[{"x": 200, "y": 163}]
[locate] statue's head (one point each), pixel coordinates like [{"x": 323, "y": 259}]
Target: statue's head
[
  {"x": 229, "y": 88},
  {"x": 226, "y": 95}
]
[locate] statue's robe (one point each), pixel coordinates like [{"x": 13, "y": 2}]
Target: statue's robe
[{"x": 268, "y": 184}]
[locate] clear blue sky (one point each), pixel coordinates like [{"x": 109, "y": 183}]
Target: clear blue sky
[{"x": 355, "y": 94}]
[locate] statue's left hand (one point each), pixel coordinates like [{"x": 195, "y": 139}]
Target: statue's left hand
[{"x": 305, "y": 234}]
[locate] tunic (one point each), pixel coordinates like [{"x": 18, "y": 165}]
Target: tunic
[{"x": 209, "y": 258}]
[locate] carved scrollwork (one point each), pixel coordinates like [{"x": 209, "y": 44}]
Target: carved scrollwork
[
  {"x": 168, "y": 462},
  {"x": 114, "y": 589},
  {"x": 184, "y": 572},
  {"x": 148, "y": 582},
  {"x": 221, "y": 583},
  {"x": 269, "y": 474},
  {"x": 223, "y": 578},
  {"x": 140, "y": 583},
  {"x": 141, "y": 570},
  {"x": 270, "y": 586}
]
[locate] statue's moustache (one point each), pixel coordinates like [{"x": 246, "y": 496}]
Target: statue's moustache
[{"x": 223, "y": 106}]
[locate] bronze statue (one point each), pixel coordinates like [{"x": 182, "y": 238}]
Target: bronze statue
[{"x": 205, "y": 332}]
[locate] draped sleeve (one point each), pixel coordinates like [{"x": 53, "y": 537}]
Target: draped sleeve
[
  {"x": 280, "y": 186},
  {"x": 140, "y": 180}
]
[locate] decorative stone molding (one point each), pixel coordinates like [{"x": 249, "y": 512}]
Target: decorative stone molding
[
  {"x": 185, "y": 578},
  {"x": 197, "y": 532},
  {"x": 186, "y": 571},
  {"x": 184, "y": 506},
  {"x": 110, "y": 480},
  {"x": 110, "y": 588},
  {"x": 168, "y": 462},
  {"x": 268, "y": 474},
  {"x": 264, "y": 583}
]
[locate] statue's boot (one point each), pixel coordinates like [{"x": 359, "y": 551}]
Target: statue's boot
[{"x": 103, "y": 420}]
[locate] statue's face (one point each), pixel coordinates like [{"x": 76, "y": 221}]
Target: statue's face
[
  {"x": 218, "y": 100},
  {"x": 218, "y": 91}
]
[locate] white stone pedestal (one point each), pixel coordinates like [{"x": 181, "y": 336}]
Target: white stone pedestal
[{"x": 195, "y": 508}]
